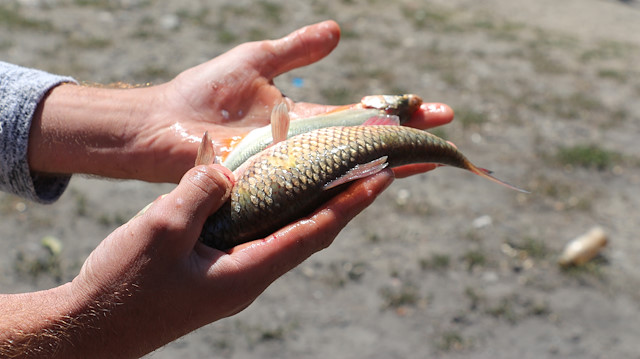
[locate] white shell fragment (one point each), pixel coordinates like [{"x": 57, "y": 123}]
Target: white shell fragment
[{"x": 584, "y": 248}]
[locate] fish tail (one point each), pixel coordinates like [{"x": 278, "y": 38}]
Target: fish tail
[{"x": 488, "y": 175}]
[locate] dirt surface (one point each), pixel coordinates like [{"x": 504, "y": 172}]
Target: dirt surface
[{"x": 443, "y": 265}]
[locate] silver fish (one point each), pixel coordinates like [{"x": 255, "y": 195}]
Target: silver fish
[
  {"x": 292, "y": 178},
  {"x": 403, "y": 106}
]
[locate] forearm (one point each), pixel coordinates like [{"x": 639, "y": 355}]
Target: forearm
[
  {"x": 65, "y": 323},
  {"x": 34, "y": 324},
  {"x": 79, "y": 129}
]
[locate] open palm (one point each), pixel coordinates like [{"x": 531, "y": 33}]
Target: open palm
[{"x": 234, "y": 93}]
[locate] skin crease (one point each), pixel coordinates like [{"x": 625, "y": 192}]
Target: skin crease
[{"x": 150, "y": 281}]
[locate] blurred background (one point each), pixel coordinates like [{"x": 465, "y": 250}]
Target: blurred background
[{"x": 444, "y": 264}]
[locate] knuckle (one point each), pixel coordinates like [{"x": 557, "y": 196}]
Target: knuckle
[
  {"x": 209, "y": 181},
  {"x": 164, "y": 224}
]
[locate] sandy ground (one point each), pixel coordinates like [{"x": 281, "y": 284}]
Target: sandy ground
[{"x": 443, "y": 265}]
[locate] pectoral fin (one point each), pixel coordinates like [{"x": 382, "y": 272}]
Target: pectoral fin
[{"x": 359, "y": 171}]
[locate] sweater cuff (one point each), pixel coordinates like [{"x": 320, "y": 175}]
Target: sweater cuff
[{"x": 21, "y": 90}]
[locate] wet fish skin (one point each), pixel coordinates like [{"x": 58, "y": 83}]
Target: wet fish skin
[
  {"x": 403, "y": 106},
  {"x": 287, "y": 181}
]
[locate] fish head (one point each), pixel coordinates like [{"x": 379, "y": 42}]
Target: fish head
[{"x": 403, "y": 106}]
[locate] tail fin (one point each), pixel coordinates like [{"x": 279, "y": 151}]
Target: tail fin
[{"x": 487, "y": 174}]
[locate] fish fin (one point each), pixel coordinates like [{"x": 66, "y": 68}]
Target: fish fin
[
  {"x": 279, "y": 122},
  {"x": 206, "y": 154},
  {"x": 488, "y": 175},
  {"x": 388, "y": 120},
  {"x": 359, "y": 171}
]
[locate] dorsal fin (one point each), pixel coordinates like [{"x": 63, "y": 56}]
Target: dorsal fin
[
  {"x": 206, "y": 154},
  {"x": 279, "y": 122}
]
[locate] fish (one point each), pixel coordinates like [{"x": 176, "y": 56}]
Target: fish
[
  {"x": 402, "y": 106},
  {"x": 293, "y": 177}
]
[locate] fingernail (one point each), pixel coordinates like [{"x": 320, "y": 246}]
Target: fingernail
[{"x": 226, "y": 172}]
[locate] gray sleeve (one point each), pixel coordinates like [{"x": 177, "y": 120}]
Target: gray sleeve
[{"x": 21, "y": 89}]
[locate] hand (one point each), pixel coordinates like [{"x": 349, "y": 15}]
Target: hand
[
  {"x": 154, "y": 270},
  {"x": 234, "y": 93},
  {"x": 153, "y": 133}
]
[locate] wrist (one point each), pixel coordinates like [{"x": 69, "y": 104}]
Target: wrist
[
  {"x": 69, "y": 321},
  {"x": 72, "y": 321}
]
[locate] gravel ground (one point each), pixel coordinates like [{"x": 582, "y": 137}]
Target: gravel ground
[{"x": 443, "y": 265}]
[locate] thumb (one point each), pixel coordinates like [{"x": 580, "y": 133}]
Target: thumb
[
  {"x": 180, "y": 215},
  {"x": 300, "y": 48}
]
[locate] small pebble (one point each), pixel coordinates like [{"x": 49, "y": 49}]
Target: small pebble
[
  {"x": 21, "y": 207},
  {"x": 482, "y": 222},
  {"x": 52, "y": 244},
  {"x": 402, "y": 197},
  {"x": 170, "y": 22}
]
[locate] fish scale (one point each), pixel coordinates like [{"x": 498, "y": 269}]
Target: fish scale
[
  {"x": 288, "y": 180},
  {"x": 402, "y": 106}
]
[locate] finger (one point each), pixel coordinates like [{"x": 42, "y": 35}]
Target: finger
[
  {"x": 428, "y": 115},
  {"x": 413, "y": 169},
  {"x": 265, "y": 260},
  {"x": 431, "y": 115},
  {"x": 180, "y": 215},
  {"x": 300, "y": 48},
  {"x": 306, "y": 109}
]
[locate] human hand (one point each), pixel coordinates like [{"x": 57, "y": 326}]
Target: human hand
[
  {"x": 153, "y": 133},
  {"x": 151, "y": 281},
  {"x": 234, "y": 93}
]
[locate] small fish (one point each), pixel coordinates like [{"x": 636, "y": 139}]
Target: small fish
[
  {"x": 292, "y": 178},
  {"x": 402, "y": 106}
]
